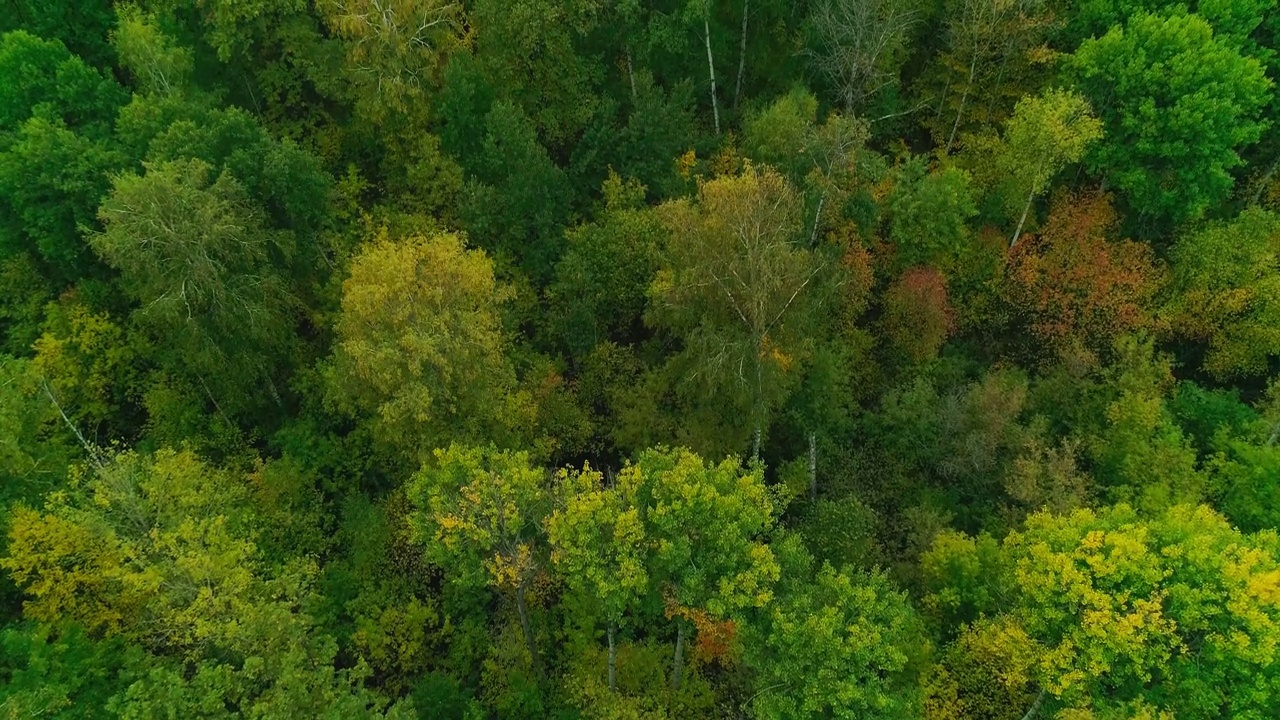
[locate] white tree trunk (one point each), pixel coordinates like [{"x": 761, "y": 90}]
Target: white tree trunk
[
  {"x": 813, "y": 467},
  {"x": 742, "y": 54},
  {"x": 613, "y": 661},
  {"x": 1023, "y": 220},
  {"x": 711, "y": 67},
  {"x": 677, "y": 664},
  {"x": 964, "y": 98}
]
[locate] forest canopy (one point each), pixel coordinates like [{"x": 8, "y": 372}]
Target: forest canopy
[{"x": 617, "y": 360}]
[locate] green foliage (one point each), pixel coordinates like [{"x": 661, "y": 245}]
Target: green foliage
[
  {"x": 343, "y": 345},
  {"x": 928, "y": 212},
  {"x": 1176, "y": 103},
  {"x": 601, "y": 282},
  {"x": 1172, "y": 610},
  {"x": 193, "y": 251},
  {"x": 705, "y": 522},
  {"x": 62, "y": 673},
  {"x": 1225, "y": 293},
  {"x": 515, "y": 202},
  {"x": 835, "y": 646},
  {"x": 734, "y": 283}
]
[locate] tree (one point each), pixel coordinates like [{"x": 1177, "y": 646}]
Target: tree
[
  {"x": 705, "y": 524},
  {"x": 928, "y": 212},
  {"x": 396, "y": 49},
  {"x": 1137, "y": 452},
  {"x": 861, "y": 46},
  {"x": 158, "y": 64},
  {"x": 833, "y": 644},
  {"x": 598, "y": 545},
  {"x": 1073, "y": 287},
  {"x": 1116, "y": 608},
  {"x": 992, "y": 51},
  {"x": 55, "y": 153},
  {"x": 732, "y": 283},
  {"x": 42, "y": 77},
  {"x": 479, "y": 515},
  {"x": 1176, "y": 103},
  {"x": 601, "y": 282},
  {"x": 917, "y": 317},
  {"x": 1093, "y": 18},
  {"x": 532, "y": 50},
  {"x": 828, "y": 160},
  {"x": 161, "y": 551},
  {"x": 193, "y": 251},
  {"x": 1045, "y": 134},
  {"x": 1225, "y": 293},
  {"x": 419, "y": 349},
  {"x": 62, "y": 673},
  {"x": 516, "y": 200},
  {"x": 52, "y": 180}
]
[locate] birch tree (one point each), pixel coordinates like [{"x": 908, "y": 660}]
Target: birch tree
[
  {"x": 1045, "y": 134},
  {"x": 395, "y": 48},
  {"x": 861, "y": 45},
  {"x": 733, "y": 282}
]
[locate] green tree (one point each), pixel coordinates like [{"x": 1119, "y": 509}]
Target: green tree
[
  {"x": 833, "y": 645},
  {"x": 598, "y": 546},
  {"x": 1175, "y": 610},
  {"x": 705, "y": 525},
  {"x": 61, "y": 673},
  {"x": 601, "y": 282},
  {"x": 55, "y": 153},
  {"x": 928, "y": 214},
  {"x": 993, "y": 56},
  {"x": 194, "y": 252},
  {"x": 1225, "y": 293},
  {"x": 515, "y": 203},
  {"x": 1045, "y": 134},
  {"x": 1176, "y": 103}
]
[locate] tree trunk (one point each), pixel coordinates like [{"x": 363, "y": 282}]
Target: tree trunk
[
  {"x": 758, "y": 410},
  {"x": 817, "y": 219},
  {"x": 999, "y": 79},
  {"x": 613, "y": 661},
  {"x": 631, "y": 73},
  {"x": 677, "y": 664},
  {"x": 523, "y": 610},
  {"x": 711, "y": 67},
  {"x": 813, "y": 467},
  {"x": 1023, "y": 220},
  {"x": 742, "y": 54},
  {"x": 1262, "y": 183},
  {"x": 964, "y": 98},
  {"x": 1035, "y": 707}
]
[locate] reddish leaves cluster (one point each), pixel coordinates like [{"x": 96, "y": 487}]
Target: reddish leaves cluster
[
  {"x": 917, "y": 315},
  {"x": 714, "y": 638},
  {"x": 1072, "y": 286}
]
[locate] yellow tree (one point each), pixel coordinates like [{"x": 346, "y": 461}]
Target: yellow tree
[
  {"x": 732, "y": 284},
  {"x": 419, "y": 350},
  {"x": 396, "y": 49},
  {"x": 479, "y": 515}
]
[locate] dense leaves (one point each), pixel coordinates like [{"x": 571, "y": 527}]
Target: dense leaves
[{"x": 619, "y": 360}]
